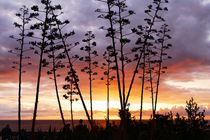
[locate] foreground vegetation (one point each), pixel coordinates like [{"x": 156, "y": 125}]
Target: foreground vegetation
[
  {"x": 165, "y": 129},
  {"x": 161, "y": 127}
]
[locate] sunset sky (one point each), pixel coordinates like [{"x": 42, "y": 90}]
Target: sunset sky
[{"x": 188, "y": 73}]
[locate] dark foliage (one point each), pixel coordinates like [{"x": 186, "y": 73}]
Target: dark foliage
[{"x": 165, "y": 127}]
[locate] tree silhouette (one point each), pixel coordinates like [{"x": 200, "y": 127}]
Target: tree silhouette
[
  {"x": 164, "y": 36},
  {"x": 70, "y": 88},
  {"x": 91, "y": 63},
  {"x": 23, "y": 15},
  {"x": 70, "y": 94},
  {"x": 56, "y": 64},
  {"x": 40, "y": 43},
  {"x": 146, "y": 42},
  {"x": 196, "y": 120},
  {"x": 154, "y": 50},
  {"x": 117, "y": 15},
  {"x": 67, "y": 49},
  {"x": 107, "y": 67},
  {"x": 192, "y": 110}
]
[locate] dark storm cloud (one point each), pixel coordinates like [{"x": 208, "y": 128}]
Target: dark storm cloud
[
  {"x": 189, "y": 22},
  {"x": 187, "y": 19}
]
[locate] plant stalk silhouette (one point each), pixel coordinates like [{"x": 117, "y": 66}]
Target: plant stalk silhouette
[
  {"x": 71, "y": 106},
  {"x": 107, "y": 73},
  {"x": 69, "y": 96},
  {"x": 92, "y": 64},
  {"x": 164, "y": 47},
  {"x": 24, "y": 17},
  {"x": 145, "y": 37},
  {"x": 43, "y": 27},
  {"x": 72, "y": 72},
  {"x": 56, "y": 64},
  {"x": 56, "y": 89},
  {"x": 117, "y": 15}
]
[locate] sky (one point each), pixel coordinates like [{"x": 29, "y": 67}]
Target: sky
[{"x": 187, "y": 75}]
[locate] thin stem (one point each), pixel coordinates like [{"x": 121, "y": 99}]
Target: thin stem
[
  {"x": 144, "y": 57},
  {"x": 133, "y": 77},
  {"x": 39, "y": 71},
  {"x": 122, "y": 55},
  {"x": 159, "y": 72},
  {"x": 72, "y": 119},
  {"x": 56, "y": 87},
  {"x": 90, "y": 78},
  {"x": 74, "y": 76},
  {"x": 151, "y": 86},
  {"x": 20, "y": 76},
  {"x": 142, "y": 87},
  {"x": 108, "y": 83},
  {"x": 115, "y": 56}
]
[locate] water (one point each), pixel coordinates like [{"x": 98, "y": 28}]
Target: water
[{"x": 44, "y": 125}]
